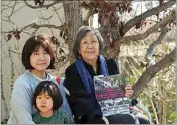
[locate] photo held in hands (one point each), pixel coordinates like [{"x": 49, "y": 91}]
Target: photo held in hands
[{"x": 110, "y": 94}]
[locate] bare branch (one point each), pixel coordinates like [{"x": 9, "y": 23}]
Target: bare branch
[
  {"x": 47, "y": 25},
  {"x": 6, "y": 6},
  {"x": 49, "y": 17},
  {"x": 36, "y": 26},
  {"x": 55, "y": 9},
  {"x": 44, "y": 6},
  {"x": 30, "y": 34},
  {"x": 161, "y": 23},
  {"x": 14, "y": 52},
  {"x": 146, "y": 14},
  {"x": 13, "y": 9},
  {"x": 151, "y": 71},
  {"x": 154, "y": 110}
]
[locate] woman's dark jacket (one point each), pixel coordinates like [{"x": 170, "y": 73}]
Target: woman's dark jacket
[{"x": 81, "y": 102}]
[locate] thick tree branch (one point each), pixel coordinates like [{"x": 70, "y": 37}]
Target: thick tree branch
[
  {"x": 151, "y": 71},
  {"x": 146, "y": 14},
  {"x": 161, "y": 23},
  {"x": 36, "y": 26}
]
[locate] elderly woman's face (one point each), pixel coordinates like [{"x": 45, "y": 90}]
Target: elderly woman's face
[{"x": 89, "y": 47}]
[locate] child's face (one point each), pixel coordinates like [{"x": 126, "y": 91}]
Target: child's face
[
  {"x": 40, "y": 60},
  {"x": 44, "y": 102}
]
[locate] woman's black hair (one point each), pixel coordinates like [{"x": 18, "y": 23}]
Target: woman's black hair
[
  {"x": 53, "y": 91},
  {"x": 33, "y": 44}
]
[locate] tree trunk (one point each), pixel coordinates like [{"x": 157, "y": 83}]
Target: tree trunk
[
  {"x": 111, "y": 37},
  {"x": 73, "y": 21}
]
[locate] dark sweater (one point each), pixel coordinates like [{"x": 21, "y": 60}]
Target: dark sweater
[{"x": 81, "y": 102}]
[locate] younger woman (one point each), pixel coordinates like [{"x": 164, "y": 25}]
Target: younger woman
[
  {"x": 37, "y": 57},
  {"x": 48, "y": 99}
]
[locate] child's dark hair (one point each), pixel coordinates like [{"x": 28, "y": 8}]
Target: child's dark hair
[
  {"x": 53, "y": 91},
  {"x": 33, "y": 44}
]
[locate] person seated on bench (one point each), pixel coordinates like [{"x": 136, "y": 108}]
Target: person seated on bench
[{"x": 87, "y": 50}]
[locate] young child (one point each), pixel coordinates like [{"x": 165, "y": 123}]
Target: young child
[
  {"x": 38, "y": 55},
  {"x": 47, "y": 99}
]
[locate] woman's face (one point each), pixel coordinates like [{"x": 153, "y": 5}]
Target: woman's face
[
  {"x": 89, "y": 47},
  {"x": 40, "y": 60}
]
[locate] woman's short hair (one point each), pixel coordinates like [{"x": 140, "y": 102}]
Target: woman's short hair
[
  {"x": 81, "y": 33},
  {"x": 33, "y": 44},
  {"x": 53, "y": 91}
]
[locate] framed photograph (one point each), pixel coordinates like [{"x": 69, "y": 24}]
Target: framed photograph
[{"x": 110, "y": 94}]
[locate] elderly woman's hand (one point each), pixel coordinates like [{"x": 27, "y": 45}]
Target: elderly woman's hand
[{"x": 128, "y": 91}]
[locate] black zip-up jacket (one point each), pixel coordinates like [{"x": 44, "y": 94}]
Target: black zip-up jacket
[{"x": 81, "y": 102}]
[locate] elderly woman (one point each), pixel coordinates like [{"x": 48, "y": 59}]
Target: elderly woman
[{"x": 87, "y": 50}]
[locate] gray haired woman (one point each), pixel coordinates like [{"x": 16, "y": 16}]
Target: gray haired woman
[{"x": 89, "y": 62}]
